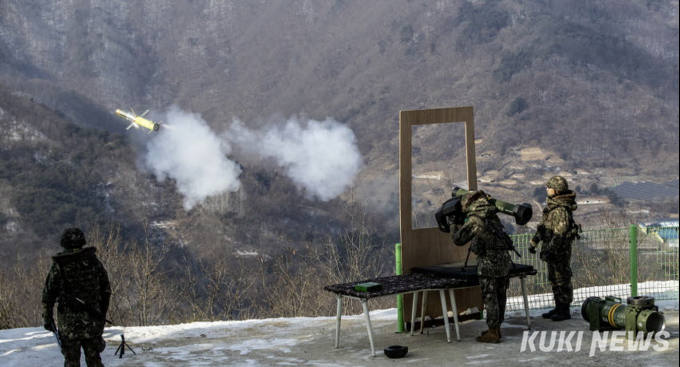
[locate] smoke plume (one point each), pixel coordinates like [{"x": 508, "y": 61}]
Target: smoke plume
[
  {"x": 320, "y": 157},
  {"x": 191, "y": 154}
]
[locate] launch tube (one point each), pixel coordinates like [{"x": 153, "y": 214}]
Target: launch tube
[
  {"x": 521, "y": 212},
  {"x": 639, "y": 315}
]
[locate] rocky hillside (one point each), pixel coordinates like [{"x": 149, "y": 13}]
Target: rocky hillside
[{"x": 592, "y": 87}]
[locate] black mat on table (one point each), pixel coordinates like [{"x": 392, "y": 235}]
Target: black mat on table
[
  {"x": 397, "y": 284},
  {"x": 458, "y": 271}
]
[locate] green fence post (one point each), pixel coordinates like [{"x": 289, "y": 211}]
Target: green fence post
[
  {"x": 400, "y": 298},
  {"x": 633, "y": 261}
]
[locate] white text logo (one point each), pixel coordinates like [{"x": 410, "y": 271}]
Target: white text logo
[{"x": 571, "y": 341}]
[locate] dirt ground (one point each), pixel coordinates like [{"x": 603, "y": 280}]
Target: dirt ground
[{"x": 276, "y": 343}]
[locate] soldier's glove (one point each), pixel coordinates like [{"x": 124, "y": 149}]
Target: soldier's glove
[
  {"x": 453, "y": 228},
  {"x": 532, "y": 249},
  {"x": 48, "y": 326}
]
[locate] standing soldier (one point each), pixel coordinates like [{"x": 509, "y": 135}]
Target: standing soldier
[
  {"x": 78, "y": 282},
  {"x": 488, "y": 240},
  {"x": 557, "y": 231}
]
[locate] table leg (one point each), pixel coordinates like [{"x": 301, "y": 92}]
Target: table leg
[
  {"x": 526, "y": 300},
  {"x": 442, "y": 297},
  {"x": 423, "y": 306},
  {"x": 413, "y": 311},
  {"x": 338, "y": 317},
  {"x": 364, "y": 304},
  {"x": 454, "y": 309}
]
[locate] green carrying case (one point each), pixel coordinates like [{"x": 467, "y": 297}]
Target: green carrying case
[{"x": 368, "y": 287}]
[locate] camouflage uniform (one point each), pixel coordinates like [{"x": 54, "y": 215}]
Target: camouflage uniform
[
  {"x": 76, "y": 273},
  {"x": 484, "y": 231},
  {"x": 557, "y": 232}
]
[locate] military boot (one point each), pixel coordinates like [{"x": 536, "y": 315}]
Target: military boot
[
  {"x": 499, "y": 333},
  {"x": 550, "y": 313},
  {"x": 563, "y": 312},
  {"x": 491, "y": 336}
]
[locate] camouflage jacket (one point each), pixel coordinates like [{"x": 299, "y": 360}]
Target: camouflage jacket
[
  {"x": 484, "y": 231},
  {"x": 557, "y": 228},
  {"x": 77, "y": 273}
]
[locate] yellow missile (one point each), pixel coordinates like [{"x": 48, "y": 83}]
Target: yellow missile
[{"x": 137, "y": 121}]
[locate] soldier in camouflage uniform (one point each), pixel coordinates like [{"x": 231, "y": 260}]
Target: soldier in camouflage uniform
[
  {"x": 488, "y": 240},
  {"x": 557, "y": 231},
  {"x": 80, "y": 286}
]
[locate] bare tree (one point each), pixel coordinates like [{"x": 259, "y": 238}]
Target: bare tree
[
  {"x": 292, "y": 282},
  {"x": 220, "y": 291},
  {"x": 142, "y": 291},
  {"x": 22, "y": 285}
]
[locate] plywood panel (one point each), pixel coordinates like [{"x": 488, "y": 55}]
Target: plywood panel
[
  {"x": 432, "y": 246},
  {"x": 429, "y": 246}
]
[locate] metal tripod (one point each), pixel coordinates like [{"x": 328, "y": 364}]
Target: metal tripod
[{"x": 121, "y": 347}]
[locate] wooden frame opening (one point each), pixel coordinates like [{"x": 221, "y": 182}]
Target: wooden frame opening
[{"x": 430, "y": 246}]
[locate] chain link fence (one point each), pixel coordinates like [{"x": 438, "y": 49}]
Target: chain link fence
[{"x": 620, "y": 262}]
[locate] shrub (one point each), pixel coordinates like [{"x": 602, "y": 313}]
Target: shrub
[{"x": 518, "y": 105}]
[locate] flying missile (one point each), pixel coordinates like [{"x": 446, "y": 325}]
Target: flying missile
[{"x": 138, "y": 120}]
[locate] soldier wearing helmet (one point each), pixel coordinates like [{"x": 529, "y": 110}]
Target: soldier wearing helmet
[
  {"x": 557, "y": 231},
  {"x": 488, "y": 240},
  {"x": 79, "y": 285}
]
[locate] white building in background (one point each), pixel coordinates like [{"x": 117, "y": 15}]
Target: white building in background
[{"x": 665, "y": 230}]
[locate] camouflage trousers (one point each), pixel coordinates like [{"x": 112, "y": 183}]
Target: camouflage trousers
[
  {"x": 494, "y": 292},
  {"x": 70, "y": 348},
  {"x": 559, "y": 275}
]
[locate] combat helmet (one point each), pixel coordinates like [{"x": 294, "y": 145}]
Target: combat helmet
[
  {"x": 557, "y": 183},
  {"x": 73, "y": 238}
]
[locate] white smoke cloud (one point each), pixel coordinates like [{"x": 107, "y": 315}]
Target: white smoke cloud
[
  {"x": 193, "y": 155},
  {"x": 320, "y": 157}
]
